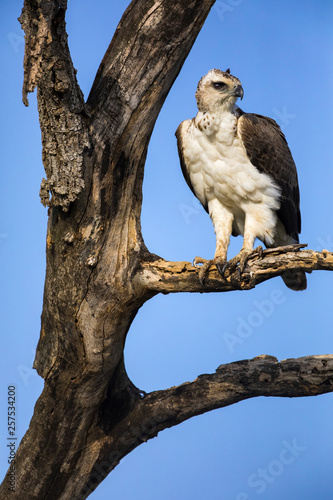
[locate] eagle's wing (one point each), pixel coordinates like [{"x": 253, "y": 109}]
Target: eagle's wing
[
  {"x": 181, "y": 130},
  {"x": 267, "y": 149}
]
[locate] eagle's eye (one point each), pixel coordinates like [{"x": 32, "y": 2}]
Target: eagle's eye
[{"x": 219, "y": 85}]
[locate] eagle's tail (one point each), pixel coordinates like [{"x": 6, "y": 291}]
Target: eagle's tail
[{"x": 295, "y": 280}]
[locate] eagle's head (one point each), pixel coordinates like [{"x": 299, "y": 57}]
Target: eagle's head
[{"x": 218, "y": 90}]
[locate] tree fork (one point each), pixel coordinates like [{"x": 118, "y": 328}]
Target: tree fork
[{"x": 94, "y": 157}]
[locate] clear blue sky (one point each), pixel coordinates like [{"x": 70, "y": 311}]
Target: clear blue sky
[{"x": 266, "y": 448}]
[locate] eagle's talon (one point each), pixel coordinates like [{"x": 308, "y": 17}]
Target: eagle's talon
[
  {"x": 259, "y": 251},
  {"x": 237, "y": 264},
  {"x": 202, "y": 276},
  {"x": 199, "y": 262},
  {"x": 227, "y": 270},
  {"x": 231, "y": 265},
  {"x": 243, "y": 261},
  {"x": 203, "y": 266},
  {"x": 221, "y": 268},
  {"x": 221, "y": 265}
]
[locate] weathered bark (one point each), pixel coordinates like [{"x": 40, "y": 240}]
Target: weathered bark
[
  {"x": 99, "y": 272},
  {"x": 169, "y": 277}
]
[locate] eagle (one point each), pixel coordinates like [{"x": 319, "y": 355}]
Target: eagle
[{"x": 240, "y": 168}]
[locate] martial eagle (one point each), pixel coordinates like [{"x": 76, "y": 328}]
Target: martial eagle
[{"x": 241, "y": 169}]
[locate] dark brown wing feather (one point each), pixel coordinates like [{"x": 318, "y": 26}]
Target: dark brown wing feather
[
  {"x": 267, "y": 149},
  {"x": 179, "y": 132}
]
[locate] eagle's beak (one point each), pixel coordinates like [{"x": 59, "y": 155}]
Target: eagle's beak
[{"x": 238, "y": 91}]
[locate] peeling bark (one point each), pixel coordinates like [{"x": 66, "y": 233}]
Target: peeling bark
[
  {"x": 48, "y": 65},
  {"x": 99, "y": 271}
]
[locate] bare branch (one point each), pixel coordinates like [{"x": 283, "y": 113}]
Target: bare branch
[
  {"x": 261, "y": 376},
  {"x": 163, "y": 276}
]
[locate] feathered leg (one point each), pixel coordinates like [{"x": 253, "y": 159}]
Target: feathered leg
[
  {"x": 240, "y": 260},
  {"x": 222, "y": 220}
]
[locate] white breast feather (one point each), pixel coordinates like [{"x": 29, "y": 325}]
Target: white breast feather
[{"x": 219, "y": 169}]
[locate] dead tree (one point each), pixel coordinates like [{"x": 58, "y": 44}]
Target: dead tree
[{"x": 99, "y": 271}]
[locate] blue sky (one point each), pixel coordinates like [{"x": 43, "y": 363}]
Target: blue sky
[{"x": 269, "y": 448}]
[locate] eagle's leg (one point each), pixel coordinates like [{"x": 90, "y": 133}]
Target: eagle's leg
[
  {"x": 220, "y": 257},
  {"x": 222, "y": 220},
  {"x": 242, "y": 257}
]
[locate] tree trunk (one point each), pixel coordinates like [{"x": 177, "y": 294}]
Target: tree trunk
[{"x": 99, "y": 271}]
